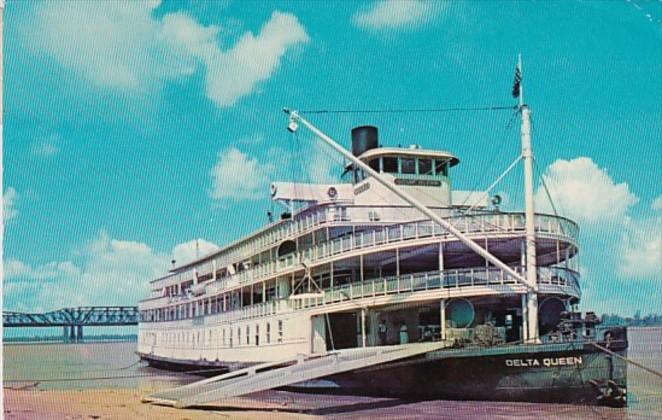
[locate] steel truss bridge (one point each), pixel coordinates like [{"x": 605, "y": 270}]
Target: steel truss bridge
[{"x": 72, "y": 320}]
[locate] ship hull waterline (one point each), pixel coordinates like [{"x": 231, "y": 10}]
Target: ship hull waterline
[{"x": 576, "y": 373}]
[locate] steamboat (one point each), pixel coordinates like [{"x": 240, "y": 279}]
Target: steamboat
[{"x": 411, "y": 287}]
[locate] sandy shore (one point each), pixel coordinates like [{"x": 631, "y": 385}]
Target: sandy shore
[{"x": 125, "y": 404}]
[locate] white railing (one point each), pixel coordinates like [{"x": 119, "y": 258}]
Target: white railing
[
  {"x": 394, "y": 285},
  {"x": 486, "y": 224},
  {"x": 480, "y": 224},
  {"x": 435, "y": 280},
  {"x": 306, "y": 221}
]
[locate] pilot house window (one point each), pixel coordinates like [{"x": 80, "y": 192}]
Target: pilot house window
[
  {"x": 390, "y": 165},
  {"x": 425, "y": 166},
  {"x": 408, "y": 165},
  {"x": 441, "y": 168},
  {"x": 374, "y": 164}
]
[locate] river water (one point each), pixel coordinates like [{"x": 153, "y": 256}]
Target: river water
[{"x": 115, "y": 366}]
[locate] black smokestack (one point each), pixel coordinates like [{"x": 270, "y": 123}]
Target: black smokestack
[{"x": 364, "y": 138}]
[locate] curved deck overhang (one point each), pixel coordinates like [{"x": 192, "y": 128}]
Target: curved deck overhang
[{"x": 420, "y": 287}]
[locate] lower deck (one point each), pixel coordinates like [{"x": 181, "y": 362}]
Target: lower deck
[
  {"x": 378, "y": 321},
  {"x": 575, "y": 371}
]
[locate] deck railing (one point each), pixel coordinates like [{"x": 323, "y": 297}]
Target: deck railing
[
  {"x": 557, "y": 277},
  {"x": 471, "y": 223},
  {"x": 435, "y": 280},
  {"x": 483, "y": 224}
]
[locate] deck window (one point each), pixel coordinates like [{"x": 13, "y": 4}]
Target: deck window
[
  {"x": 390, "y": 165},
  {"x": 441, "y": 167},
  {"x": 374, "y": 164},
  {"x": 408, "y": 165},
  {"x": 248, "y": 334},
  {"x": 280, "y": 331},
  {"x": 425, "y": 166}
]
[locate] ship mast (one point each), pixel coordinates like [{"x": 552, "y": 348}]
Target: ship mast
[
  {"x": 530, "y": 305},
  {"x": 530, "y": 297},
  {"x": 296, "y": 118}
]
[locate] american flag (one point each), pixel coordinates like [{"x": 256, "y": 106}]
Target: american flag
[{"x": 516, "y": 83}]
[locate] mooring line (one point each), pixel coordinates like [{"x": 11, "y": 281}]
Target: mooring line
[
  {"x": 101, "y": 378},
  {"x": 639, "y": 365}
]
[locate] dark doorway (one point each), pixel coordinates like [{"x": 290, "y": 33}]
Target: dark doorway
[{"x": 343, "y": 329}]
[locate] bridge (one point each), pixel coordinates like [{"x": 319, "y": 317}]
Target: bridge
[{"x": 72, "y": 320}]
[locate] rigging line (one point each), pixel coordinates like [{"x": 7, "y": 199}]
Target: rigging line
[
  {"x": 486, "y": 193},
  {"x": 110, "y": 369},
  {"x": 547, "y": 191},
  {"x": 103, "y": 378},
  {"x": 405, "y": 110},
  {"x": 544, "y": 184},
  {"x": 502, "y": 144},
  {"x": 639, "y": 365}
]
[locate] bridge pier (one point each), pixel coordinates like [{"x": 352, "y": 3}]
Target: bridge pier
[{"x": 72, "y": 320}]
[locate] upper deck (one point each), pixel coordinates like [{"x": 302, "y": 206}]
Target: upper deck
[
  {"x": 497, "y": 227},
  {"x": 328, "y": 223}
]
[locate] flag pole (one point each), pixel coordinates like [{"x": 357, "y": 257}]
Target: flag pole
[
  {"x": 521, "y": 87},
  {"x": 531, "y": 333}
]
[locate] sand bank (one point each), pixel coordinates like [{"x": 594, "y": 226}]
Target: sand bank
[{"x": 125, "y": 404}]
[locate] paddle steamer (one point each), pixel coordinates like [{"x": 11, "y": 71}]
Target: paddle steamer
[{"x": 394, "y": 255}]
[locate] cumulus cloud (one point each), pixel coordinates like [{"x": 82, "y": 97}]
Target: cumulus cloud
[
  {"x": 111, "y": 44},
  {"x": 105, "y": 271},
  {"x": 18, "y": 270},
  {"x": 122, "y": 45},
  {"x": 189, "y": 251},
  {"x": 641, "y": 249},
  {"x": 46, "y": 147},
  {"x": 584, "y": 191},
  {"x": 9, "y": 198},
  {"x": 236, "y": 176},
  {"x": 657, "y": 204},
  {"x": 396, "y": 14},
  {"x": 234, "y": 73}
]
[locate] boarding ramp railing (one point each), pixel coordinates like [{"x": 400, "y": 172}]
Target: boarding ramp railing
[{"x": 286, "y": 372}]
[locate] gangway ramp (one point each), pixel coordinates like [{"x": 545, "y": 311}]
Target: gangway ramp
[{"x": 286, "y": 372}]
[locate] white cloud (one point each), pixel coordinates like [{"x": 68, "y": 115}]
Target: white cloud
[
  {"x": 18, "y": 270},
  {"x": 106, "y": 271},
  {"x": 236, "y": 176},
  {"x": 396, "y": 14},
  {"x": 9, "y": 198},
  {"x": 657, "y": 204},
  {"x": 584, "y": 191},
  {"x": 111, "y": 44},
  {"x": 122, "y": 45},
  {"x": 188, "y": 251},
  {"x": 252, "y": 59},
  {"x": 47, "y": 147},
  {"x": 640, "y": 250}
]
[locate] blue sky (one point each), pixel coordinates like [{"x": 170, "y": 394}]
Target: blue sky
[{"x": 130, "y": 129}]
